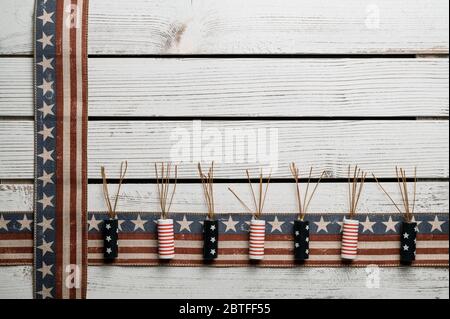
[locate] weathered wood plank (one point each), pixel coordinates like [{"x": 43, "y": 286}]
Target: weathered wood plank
[
  {"x": 180, "y": 283},
  {"x": 253, "y": 26},
  {"x": 432, "y": 197},
  {"x": 247, "y": 87},
  {"x": 235, "y": 145}
]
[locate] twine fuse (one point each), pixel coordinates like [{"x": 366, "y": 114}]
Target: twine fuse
[
  {"x": 408, "y": 229},
  {"x": 301, "y": 227},
  {"x": 350, "y": 226},
  {"x": 110, "y": 228},
  {"x": 165, "y": 230},
  {"x": 210, "y": 225},
  {"x": 257, "y": 225}
]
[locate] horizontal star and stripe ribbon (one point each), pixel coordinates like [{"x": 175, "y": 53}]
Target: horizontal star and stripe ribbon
[{"x": 379, "y": 240}]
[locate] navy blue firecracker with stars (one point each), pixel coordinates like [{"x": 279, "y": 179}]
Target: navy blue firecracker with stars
[
  {"x": 301, "y": 240},
  {"x": 210, "y": 239},
  {"x": 110, "y": 237},
  {"x": 408, "y": 242}
]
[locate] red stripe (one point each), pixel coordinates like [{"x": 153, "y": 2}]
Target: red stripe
[
  {"x": 168, "y": 244},
  {"x": 165, "y": 229},
  {"x": 59, "y": 111},
  {"x": 263, "y": 263},
  {"x": 73, "y": 145},
  {"x": 168, "y": 253},
  {"x": 257, "y": 239},
  {"x": 166, "y": 237},
  {"x": 19, "y": 236},
  {"x": 165, "y": 233},
  {"x": 84, "y": 244},
  {"x": 165, "y": 241},
  {"x": 166, "y": 248}
]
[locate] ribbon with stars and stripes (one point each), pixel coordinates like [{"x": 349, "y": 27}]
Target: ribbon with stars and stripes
[
  {"x": 60, "y": 222},
  {"x": 379, "y": 239}
]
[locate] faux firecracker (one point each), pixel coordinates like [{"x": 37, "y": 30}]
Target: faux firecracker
[
  {"x": 257, "y": 225},
  {"x": 110, "y": 238},
  {"x": 301, "y": 240},
  {"x": 210, "y": 225},
  {"x": 166, "y": 239},
  {"x": 350, "y": 229},
  {"x": 408, "y": 241},
  {"x": 350, "y": 225},
  {"x": 110, "y": 228},
  {"x": 165, "y": 229},
  {"x": 408, "y": 229},
  {"x": 257, "y": 238},
  {"x": 210, "y": 239},
  {"x": 301, "y": 226}
]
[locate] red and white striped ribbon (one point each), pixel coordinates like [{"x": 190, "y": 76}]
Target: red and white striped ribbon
[
  {"x": 257, "y": 238},
  {"x": 166, "y": 239},
  {"x": 350, "y": 230}
]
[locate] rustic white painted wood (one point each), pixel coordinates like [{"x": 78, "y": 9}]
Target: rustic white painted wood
[
  {"x": 432, "y": 197},
  {"x": 235, "y": 145},
  {"x": 252, "y": 26},
  {"x": 164, "y": 282},
  {"x": 247, "y": 87}
]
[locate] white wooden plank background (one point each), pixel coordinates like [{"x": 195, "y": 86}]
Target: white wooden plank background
[
  {"x": 247, "y": 87},
  {"x": 164, "y": 283},
  {"x": 252, "y": 26},
  {"x": 432, "y": 197},
  {"x": 328, "y": 145},
  {"x": 312, "y": 87}
]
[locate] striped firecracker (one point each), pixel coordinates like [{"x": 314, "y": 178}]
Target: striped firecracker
[
  {"x": 166, "y": 239},
  {"x": 350, "y": 230},
  {"x": 257, "y": 238}
]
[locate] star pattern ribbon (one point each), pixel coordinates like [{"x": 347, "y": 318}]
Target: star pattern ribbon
[
  {"x": 60, "y": 220},
  {"x": 380, "y": 238}
]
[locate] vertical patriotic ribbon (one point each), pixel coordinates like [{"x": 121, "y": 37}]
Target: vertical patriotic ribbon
[{"x": 60, "y": 234}]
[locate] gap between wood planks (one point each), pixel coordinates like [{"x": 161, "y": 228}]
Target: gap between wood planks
[
  {"x": 258, "y": 55},
  {"x": 230, "y": 181},
  {"x": 242, "y": 118},
  {"x": 252, "y": 56}
]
